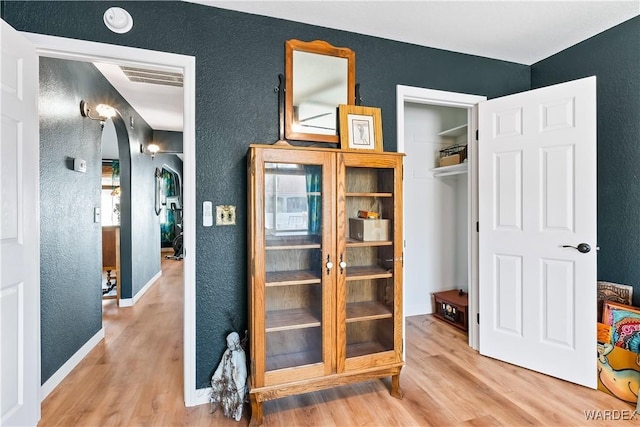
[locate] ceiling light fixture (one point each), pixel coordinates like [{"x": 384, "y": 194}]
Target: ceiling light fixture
[{"x": 118, "y": 20}]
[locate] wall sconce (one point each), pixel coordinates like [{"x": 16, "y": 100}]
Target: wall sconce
[
  {"x": 151, "y": 149},
  {"x": 103, "y": 112}
]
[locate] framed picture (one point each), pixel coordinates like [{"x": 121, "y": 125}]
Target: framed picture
[
  {"x": 360, "y": 128},
  {"x": 158, "y": 188}
]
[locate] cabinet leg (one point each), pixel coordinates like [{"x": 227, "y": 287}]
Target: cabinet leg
[
  {"x": 256, "y": 411},
  {"x": 396, "y": 391}
]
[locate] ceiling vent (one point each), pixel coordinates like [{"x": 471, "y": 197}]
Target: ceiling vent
[{"x": 164, "y": 78}]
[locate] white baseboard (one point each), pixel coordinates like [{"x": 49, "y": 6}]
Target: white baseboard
[
  {"x": 66, "y": 369},
  {"x": 202, "y": 396},
  {"x": 417, "y": 309},
  {"x": 129, "y": 302}
]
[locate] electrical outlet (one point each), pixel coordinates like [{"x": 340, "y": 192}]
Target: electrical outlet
[{"x": 225, "y": 215}]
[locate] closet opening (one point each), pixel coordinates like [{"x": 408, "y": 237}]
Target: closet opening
[{"x": 437, "y": 132}]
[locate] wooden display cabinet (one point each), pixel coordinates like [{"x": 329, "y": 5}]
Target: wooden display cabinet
[{"x": 324, "y": 309}]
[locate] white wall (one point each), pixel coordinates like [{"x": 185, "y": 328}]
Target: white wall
[{"x": 435, "y": 210}]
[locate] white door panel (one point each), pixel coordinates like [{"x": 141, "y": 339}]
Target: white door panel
[
  {"x": 19, "y": 233},
  {"x": 537, "y": 181}
]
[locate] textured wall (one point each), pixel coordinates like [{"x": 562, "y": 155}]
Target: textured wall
[
  {"x": 614, "y": 57},
  {"x": 238, "y": 59},
  {"x": 71, "y": 263},
  {"x": 168, "y": 140},
  {"x": 71, "y": 310}
]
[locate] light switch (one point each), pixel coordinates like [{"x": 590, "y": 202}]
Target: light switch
[
  {"x": 96, "y": 215},
  {"x": 207, "y": 214}
]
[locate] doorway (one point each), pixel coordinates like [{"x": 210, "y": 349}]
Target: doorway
[
  {"x": 534, "y": 201},
  {"x": 57, "y": 47},
  {"x": 446, "y": 203}
]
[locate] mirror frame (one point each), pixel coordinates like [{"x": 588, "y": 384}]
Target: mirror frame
[{"x": 322, "y": 48}]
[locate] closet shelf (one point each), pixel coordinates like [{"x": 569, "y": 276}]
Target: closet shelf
[
  {"x": 450, "y": 170},
  {"x": 453, "y": 132}
]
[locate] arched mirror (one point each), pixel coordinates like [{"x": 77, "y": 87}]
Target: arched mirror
[{"x": 319, "y": 77}]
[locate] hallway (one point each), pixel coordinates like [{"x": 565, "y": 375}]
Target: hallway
[{"x": 134, "y": 376}]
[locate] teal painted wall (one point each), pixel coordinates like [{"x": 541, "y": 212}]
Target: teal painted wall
[
  {"x": 238, "y": 58},
  {"x": 614, "y": 58},
  {"x": 71, "y": 254}
]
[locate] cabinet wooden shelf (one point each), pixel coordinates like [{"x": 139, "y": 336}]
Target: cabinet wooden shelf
[
  {"x": 285, "y": 320},
  {"x": 369, "y": 194},
  {"x": 364, "y": 348},
  {"x": 353, "y": 243},
  {"x": 367, "y": 310},
  {"x": 298, "y": 277},
  {"x": 284, "y": 361},
  {"x": 368, "y": 272},
  {"x": 324, "y": 309},
  {"x": 283, "y": 243}
]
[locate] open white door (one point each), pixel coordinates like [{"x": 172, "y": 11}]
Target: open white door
[
  {"x": 19, "y": 232},
  {"x": 537, "y": 183}
]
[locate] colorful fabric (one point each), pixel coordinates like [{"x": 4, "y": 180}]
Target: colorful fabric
[{"x": 625, "y": 331}]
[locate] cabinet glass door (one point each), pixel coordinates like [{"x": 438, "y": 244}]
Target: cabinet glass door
[
  {"x": 369, "y": 311},
  {"x": 296, "y": 276}
]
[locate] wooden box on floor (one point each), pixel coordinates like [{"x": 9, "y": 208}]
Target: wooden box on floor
[
  {"x": 324, "y": 309},
  {"x": 451, "y": 306}
]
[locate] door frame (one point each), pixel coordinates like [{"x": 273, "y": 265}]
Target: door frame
[
  {"x": 417, "y": 95},
  {"x": 86, "y": 51}
]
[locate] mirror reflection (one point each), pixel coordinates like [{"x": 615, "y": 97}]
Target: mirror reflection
[
  {"x": 319, "y": 78},
  {"x": 319, "y": 84}
]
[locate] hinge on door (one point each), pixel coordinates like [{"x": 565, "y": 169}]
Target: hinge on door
[
  {"x": 478, "y": 318},
  {"x": 477, "y": 134},
  {"x": 477, "y": 226}
]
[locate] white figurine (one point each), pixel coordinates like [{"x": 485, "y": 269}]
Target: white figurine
[{"x": 230, "y": 379}]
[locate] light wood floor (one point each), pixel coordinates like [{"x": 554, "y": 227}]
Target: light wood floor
[{"x": 134, "y": 378}]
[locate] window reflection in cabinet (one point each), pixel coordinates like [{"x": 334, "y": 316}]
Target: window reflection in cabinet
[{"x": 293, "y": 200}]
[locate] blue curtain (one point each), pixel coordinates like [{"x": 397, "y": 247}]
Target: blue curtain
[
  {"x": 313, "y": 175},
  {"x": 115, "y": 173},
  {"x": 167, "y": 221}
]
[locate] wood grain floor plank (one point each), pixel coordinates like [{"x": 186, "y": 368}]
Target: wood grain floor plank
[{"x": 134, "y": 378}]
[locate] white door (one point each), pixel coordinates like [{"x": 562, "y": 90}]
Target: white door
[
  {"x": 19, "y": 233},
  {"x": 537, "y": 184}
]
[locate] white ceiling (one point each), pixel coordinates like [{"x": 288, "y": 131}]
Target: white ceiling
[
  {"x": 160, "y": 106},
  {"x": 524, "y": 32}
]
